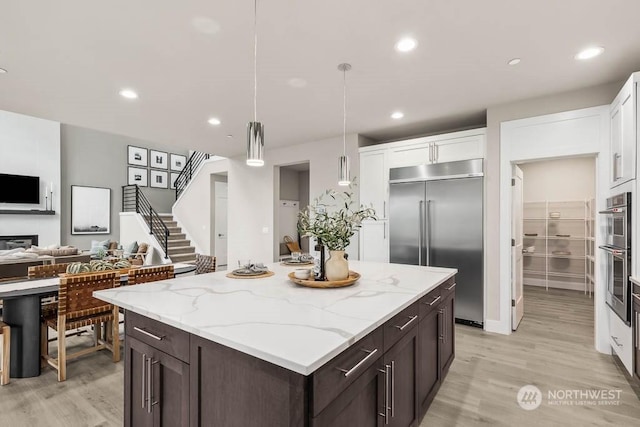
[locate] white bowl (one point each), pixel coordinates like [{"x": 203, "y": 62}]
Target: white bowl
[{"x": 302, "y": 273}]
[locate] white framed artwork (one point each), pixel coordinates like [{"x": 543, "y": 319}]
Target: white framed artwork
[
  {"x": 174, "y": 177},
  {"x": 137, "y": 156},
  {"x": 159, "y": 159},
  {"x": 177, "y": 162},
  {"x": 90, "y": 210},
  {"x": 137, "y": 176},
  {"x": 159, "y": 179}
]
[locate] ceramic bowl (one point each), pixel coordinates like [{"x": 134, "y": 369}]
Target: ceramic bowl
[{"x": 302, "y": 273}]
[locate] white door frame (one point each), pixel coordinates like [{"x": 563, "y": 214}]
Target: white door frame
[
  {"x": 517, "y": 305},
  {"x": 572, "y": 133}
]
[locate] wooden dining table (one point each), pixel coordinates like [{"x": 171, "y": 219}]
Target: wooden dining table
[{"x": 21, "y": 311}]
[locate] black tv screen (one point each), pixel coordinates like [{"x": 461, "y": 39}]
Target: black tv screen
[{"x": 19, "y": 189}]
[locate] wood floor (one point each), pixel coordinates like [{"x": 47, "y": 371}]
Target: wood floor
[{"x": 552, "y": 349}]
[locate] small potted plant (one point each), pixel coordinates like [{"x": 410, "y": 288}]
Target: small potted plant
[{"x": 333, "y": 219}]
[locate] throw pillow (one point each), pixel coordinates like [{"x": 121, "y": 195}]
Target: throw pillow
[
  {"x": 142, "y": 249},
  {"x": 130, "y": 249},
  {"x": 97, "y": 245}
]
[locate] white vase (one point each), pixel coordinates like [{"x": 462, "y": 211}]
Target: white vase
[{"x": 336, "y": 267}]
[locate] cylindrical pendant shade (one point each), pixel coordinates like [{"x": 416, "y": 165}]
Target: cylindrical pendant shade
[
  {"x": 255, "y": 144},
  {"x": 344, "y": 177}
]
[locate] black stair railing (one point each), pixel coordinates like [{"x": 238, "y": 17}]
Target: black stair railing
[
  {"x": 189, "y": 169},
  {"x": 134, "y": 200}
]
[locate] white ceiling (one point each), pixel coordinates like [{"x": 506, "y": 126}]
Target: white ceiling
[{"x": 190, "y": 60}]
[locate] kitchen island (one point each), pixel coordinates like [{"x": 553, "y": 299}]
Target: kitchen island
[{"x": 209, "y": 350}]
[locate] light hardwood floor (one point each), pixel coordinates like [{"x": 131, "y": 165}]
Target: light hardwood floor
[{"x": 553, "y": 349}]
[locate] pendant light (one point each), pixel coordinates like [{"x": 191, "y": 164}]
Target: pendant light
[
  {"x": 344, "y": 177},
  {"x": 255, "y": 129}
]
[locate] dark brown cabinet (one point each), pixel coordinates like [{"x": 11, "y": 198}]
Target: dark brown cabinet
[
  {"x": 156, "y": 387},
  {"x": 387, "y": 378},
  {"x": 636, "y": 331}
]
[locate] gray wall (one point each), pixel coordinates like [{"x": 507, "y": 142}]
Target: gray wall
[
  {"x": 98, "y": 159},
  {"x": 303, "y": 192},
  {"x": 288, "y": 184}
]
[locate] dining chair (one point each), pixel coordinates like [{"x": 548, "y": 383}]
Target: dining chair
[
  {"x": 49, "y": 303},
  {"x": 150, "y": 274},
  {"x": 205, "y": 264},
  {"x": 5, "y": 331},
  {"x": 78, "y": 308}
]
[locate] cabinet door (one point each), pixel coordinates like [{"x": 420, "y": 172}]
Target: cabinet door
[
  {"x": 360, "y": 404},
  {"x": 447, "y": 334},
  {"x": 636, "y": 334},
  {"x": 628, "y": 108},
  {"x": 465, "y": 148},
  {"x": 374, "y": 241},
  {"x": 374, "y": 181},
  {"x": 616, "y": 144},
  {"x": 156, "y": 387},
  {"x": 428, "y": 359},
  {"x": 401, "y": 361},
  {"x": 410, "y": 155}
]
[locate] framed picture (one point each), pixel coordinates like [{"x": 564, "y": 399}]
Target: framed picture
[
  {"x": 159, "y": 160},
  {"x": 137, "y": 176},
  {"x": 174, "y": 176},
  {"x": 90, "y": 210},
  {"x": 159, "y": 179},
  {"x": 137, "y": 156},
  {"x": 177, "y": 162}
]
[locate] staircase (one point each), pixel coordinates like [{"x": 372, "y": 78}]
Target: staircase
[{"x": 178, "y": 247}]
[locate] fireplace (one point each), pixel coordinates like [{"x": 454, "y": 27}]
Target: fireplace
[{"x": 12, "y": 242}]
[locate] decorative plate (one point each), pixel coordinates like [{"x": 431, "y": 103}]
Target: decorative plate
[{"x": 310, "y": 283}]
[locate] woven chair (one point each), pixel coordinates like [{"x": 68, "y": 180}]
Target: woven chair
[
  {"x": 150, "y": 274},
  {"x": 78, "y": 308},
  {"x": 205, "y": 264},
  {"x": 48, "y": 270},
  {"x": 5, "y": 331}
]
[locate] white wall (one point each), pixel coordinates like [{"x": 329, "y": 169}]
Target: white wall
[
  {"x": 133, "y": 227},
  {"x": 31, "y": 146},
  {"x": 559, "y": 180}
]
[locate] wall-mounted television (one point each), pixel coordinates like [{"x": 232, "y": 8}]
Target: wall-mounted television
[{"x": 19, "y": 189}]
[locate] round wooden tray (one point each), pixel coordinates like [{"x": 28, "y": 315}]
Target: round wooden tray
[
  {"x": 353, "y": 278},
  {"x": 261, "y": 276}
]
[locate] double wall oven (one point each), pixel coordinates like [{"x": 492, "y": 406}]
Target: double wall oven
[{"x": 618, "y": 254}]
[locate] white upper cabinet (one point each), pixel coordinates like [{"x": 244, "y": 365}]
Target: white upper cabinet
[
  {"x": 624, "y": 133},
  {"x": 374, "y": 241},
  {"x": 374, "y": 181}
]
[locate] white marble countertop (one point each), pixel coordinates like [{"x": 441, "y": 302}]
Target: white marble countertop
[{"x": 276, "y": 320}]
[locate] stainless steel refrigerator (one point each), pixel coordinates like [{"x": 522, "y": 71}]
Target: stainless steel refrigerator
[{"x": 435, "y": 219}]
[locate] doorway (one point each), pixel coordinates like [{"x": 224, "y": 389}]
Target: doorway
[
  {"x": 292, "y": 195},
  {"x": 219, "y": 209},
  {"x": 557, "y": 232}
]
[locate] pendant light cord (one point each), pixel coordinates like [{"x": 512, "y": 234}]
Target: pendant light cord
[
  {"x": 344, "y": 111},
  {"x": 255, "y": 60}
]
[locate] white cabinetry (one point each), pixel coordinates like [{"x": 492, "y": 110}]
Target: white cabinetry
[
  {"x": 375, "y": 162},
  {"x": 624, "y": 109},
  {"x": 374, "y": 241}
]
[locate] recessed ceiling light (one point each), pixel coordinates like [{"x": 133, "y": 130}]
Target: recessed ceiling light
[
  {"x": 3, "y": 71},
  {"x": 514, "y": 61},
  {"x": 229, "y": 136},
  {"x": 129, "y": 94},
  {"x": 588, "y": 53},
  {"x": 214, "y": 121},
  {"x": 397, "y": 115},
  {"x": 406, "y": 44}
]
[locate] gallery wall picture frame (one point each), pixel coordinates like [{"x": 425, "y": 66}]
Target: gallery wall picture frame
[
  {"x": 137, "y": 176},
  {"x": 174, "y": 177},
  {"x": 178, "y": 161},
  {"x": 137, "y": 156},
  {"x": 159, "y": 179},
  {"x": 159, "y": 159},
  {"x": 90, "y": 210}
]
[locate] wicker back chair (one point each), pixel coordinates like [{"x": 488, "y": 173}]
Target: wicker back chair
[
  {"x": 48, "y": 270},
  {"x": 205, "y": 264},
  {"x": 77, "y": 308},
  {"x": 150, "y": 274}
]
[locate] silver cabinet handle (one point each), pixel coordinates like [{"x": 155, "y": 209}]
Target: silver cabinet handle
[
  {"x": 385, "y": 414},
  {"x": 420, "y": 232},
  {"x": 384, "y": 230},
  {"x": 144, "y": 379},
  {"x": 427, "y": 228},
  {"x": 384, "y": 208},
  {"x": 370, "y": 354},
  {"x": 149, "y": 334},
  {"x": 393, "y": 388},
  {"x": 149, "y": 385},
  {"x": 411, "y": 319},
  {"x": 435, "y": 300},
  {"x": 436, "y": 152},
  {"x": 441, "y": 316},
  {"x": 637, "y": 329},
  {"x": 451, "y": 287}
]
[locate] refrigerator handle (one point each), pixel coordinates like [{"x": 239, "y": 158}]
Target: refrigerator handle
[
  {"x": 428, "y": 232},
  {"x": 420, "y": 232}
]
